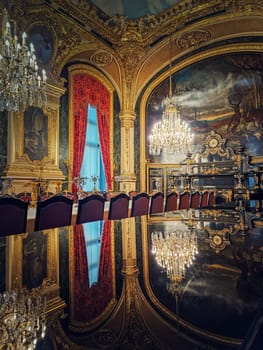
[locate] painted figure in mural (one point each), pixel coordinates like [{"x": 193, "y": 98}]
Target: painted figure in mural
[
  {"x": 35, "y": 133},
  {"x": 42, "y": 40},
  {"x": 34, "y": 260},
  {"x": 234, "y": 101}
]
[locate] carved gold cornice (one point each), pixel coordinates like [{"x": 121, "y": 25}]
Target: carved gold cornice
[
  {"x": 80, "y": 27},
  {"x": 146, "y": 29}
]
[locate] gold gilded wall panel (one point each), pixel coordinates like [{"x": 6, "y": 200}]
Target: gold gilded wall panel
[
  {"x": 33, "y": 145},
  {"x": 33, "y": 263}
]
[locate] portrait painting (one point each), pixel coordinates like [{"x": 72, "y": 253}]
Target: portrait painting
[
  {"x": 41, "y": 37},
  {"x": 221, "y": 93},
  {"x": 34, "y": 267},
  {"x": 35, "y": 133}
]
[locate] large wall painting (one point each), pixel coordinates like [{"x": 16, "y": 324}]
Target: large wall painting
[
  {"x": 35, "y": 133},
  {"x": 34, "y": 268},
  {"x": 222, "y": 93}
]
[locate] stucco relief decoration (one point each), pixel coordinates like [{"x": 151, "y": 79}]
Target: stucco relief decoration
[
  {"x": 117, "y": 24},
  {"x": 101, "y": 58},
  {"x": 193, "y": 38},
  {"x": 131, "y": 55},
  {"x": 70, "y": 42}
]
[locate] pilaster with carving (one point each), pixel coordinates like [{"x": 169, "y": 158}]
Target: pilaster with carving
[{"x": 127, "y": 178}]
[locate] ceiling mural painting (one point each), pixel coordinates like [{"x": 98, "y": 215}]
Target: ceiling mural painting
[
  {"x": 222, "y": 93},
  {"x": 135, "y": 8}
]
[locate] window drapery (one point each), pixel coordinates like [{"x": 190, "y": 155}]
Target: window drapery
[
  {"x": 89, "y": 301},
  {"x": 88, "y": 90}
]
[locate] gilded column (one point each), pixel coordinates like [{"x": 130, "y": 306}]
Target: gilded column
[
  {"x": 127, "y": 178},
  {"x": 131, "y": 51},
  {"x": 129, "y": 246}
]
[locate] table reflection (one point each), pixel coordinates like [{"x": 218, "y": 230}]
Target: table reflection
[
  {"x": 85, "y": 273},
  {"x": 221, "y": 291}
]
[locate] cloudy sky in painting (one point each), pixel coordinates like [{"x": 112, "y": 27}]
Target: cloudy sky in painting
[{"x": 133, "y": 8}]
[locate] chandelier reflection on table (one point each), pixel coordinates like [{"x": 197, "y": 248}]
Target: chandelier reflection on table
[
  {"x": 170, "y": 134},
  {"x": 22, "y": 320},
  {"x": 174, "y": 251},
  {"x": 21, "y": 84}
]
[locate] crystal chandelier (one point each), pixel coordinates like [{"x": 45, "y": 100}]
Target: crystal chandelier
[
  {"x": 170, "y": 134},
  {"x": 21, "y": 85},
  {"x": 174, "y": 251},
  {"x": 22, "y": 320}
]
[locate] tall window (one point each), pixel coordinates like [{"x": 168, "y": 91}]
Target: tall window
[
  {"x": 92, "y": 232},
  {"x": 92, "y": 165}
]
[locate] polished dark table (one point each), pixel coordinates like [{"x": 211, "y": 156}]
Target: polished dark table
[{"x": 217, "y": 302}]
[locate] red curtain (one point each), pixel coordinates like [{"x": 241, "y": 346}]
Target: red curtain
[
  {"x": 105, "y": 268},
  {"x": 80, "y": 273},
  {"x": 88, "y": 90},
  {"x": 90, "y": 301},
  {"x": 104, "y": 132}
]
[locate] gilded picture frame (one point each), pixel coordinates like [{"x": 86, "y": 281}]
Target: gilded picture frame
[
  {"x": 17, "y": 258},
  {"x": 33, "y": 134}
]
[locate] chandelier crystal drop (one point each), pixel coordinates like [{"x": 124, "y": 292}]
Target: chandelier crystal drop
[
  {"x": 21, "y": 84},
  {"x": 170, "y": 134},
  {"x": 174, "y": 251},
  {"x": 22, "y": 320}
]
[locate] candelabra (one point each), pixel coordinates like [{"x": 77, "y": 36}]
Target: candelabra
[
  {"x": 21, "y": 85},
  {"x": 22, "y": 320},
  {"x": 94, "y": 179}
]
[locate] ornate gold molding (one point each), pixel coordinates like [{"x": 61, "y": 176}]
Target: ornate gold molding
[
  {"x": 50, "y": 285},
  {"x": 33, "y": 142},
  {"x": 193, "y": 38},
  {"x": 101, "y": 58},
  {"x": 131, "y": 54}
]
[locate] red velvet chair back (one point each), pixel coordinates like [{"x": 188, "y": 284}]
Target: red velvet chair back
[
  {"x": 90, "y": 208},
  {"x": 24, "y": 196},
  {"x": 119, "y": 207},
  {"x": 156, "y": 203},
  {"x": 195, "y": 200},
  {"x": 204, "y": 199},
  {"x": 55, "y": 211},
  {"x": 171, "y": 202},
  {"x": 184, "y": 200},
  {"x": 13, "y": 215},
  {"x": 140, "y": 204},
  {"x": 211, "y": 199}
]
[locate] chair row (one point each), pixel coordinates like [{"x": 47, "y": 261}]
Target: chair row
[
  {"x": 181, "y": 201},
  {"x": 91, "y": 208},
  {"x": 56, "y": 211}
]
